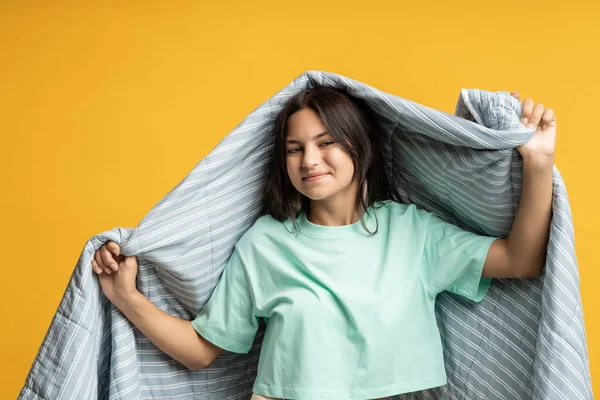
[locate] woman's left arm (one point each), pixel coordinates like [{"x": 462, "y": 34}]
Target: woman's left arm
[{"x": 523, "y": 253}]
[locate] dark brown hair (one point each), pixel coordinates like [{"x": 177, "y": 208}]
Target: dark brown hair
[{"x": 354, "y": 127}]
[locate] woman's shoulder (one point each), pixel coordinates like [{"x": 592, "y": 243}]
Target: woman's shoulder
[
  {"x": 397, "y": 208},
  {"x": 264, "y": 227},
  {"x": 405, "y": 215}
]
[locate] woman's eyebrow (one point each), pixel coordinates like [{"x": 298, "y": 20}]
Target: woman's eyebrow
[{"x": 313, "y": 138}]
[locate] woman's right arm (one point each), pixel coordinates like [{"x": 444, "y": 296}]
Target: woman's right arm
[{"x": 174, "y": 336}]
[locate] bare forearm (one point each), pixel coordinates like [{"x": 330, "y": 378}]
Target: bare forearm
[
  {"x": 174, "y": 336},
  {"x": 528, "y": 239}
]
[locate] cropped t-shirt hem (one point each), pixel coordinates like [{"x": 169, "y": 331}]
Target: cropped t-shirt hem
[
  {"x": 221, "y": 341},
  {"x": 384, "y": 391}
]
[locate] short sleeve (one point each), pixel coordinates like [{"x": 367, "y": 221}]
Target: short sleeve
[
  {"x": 454, "y": 259},
  {"x": 227, "y": 320}
]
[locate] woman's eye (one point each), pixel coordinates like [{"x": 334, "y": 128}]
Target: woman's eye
[{"x": 295, "y": 150}]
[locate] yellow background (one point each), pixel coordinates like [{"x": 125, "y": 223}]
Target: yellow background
[{"x": 106, "y": 106}]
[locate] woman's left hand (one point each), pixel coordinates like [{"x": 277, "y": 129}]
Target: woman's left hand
[{"x": 543, "y": 143}]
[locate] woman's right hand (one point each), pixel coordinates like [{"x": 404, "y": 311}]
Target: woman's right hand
[
  {"x": 117, "y": 282},
  {"x": 106, "y": 259}
]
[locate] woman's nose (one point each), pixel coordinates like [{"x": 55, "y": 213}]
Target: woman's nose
[{"x": 311, "y": 157}]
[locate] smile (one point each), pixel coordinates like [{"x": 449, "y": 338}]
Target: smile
[{"x": 314, "y": 178}]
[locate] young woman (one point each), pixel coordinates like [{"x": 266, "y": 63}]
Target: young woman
[{"x": 344, "y": 275}]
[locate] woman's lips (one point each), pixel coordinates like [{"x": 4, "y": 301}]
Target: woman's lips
[{"x": 315, "y": 178}]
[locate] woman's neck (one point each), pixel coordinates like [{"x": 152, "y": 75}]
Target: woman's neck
[
  {"x": 337, "y": 209},
  {"x": 331, "y": 214}
]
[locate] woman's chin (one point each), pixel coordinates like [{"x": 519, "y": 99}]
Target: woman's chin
[{"x": 316, "y": 194}]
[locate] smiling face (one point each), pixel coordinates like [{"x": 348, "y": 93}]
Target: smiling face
[{"x": 310, "y": 150}]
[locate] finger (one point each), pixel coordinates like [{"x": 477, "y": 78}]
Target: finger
[
  {"x": 108, "y": 259},
  {"x": 536, "y": 116},
  {"x": 96, "y": 267},
  {"x": 515, "y": 94},
  {"x": 113, "y": 248},
  {"x": 100, "y": 262},
  {"x": 548, "y": 119},
  {"x": 526, "y": 110}
]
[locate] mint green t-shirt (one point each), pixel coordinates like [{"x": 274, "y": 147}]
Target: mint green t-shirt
[{"x": 349, "y": 315}]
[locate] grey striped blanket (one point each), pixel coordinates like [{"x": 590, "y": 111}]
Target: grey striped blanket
[{"x": 525, "y": 340}]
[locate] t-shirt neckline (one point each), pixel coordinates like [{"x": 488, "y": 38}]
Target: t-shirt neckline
[{"x": 336, "y": 231}]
